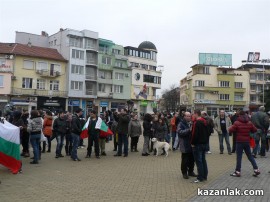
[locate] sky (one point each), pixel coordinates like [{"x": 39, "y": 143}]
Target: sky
[{"x": 180, "y": 29}]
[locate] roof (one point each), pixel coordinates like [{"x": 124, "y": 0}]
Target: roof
[
  {"x": 31, "y": 51},
  {"x": 147, "y": 45}
]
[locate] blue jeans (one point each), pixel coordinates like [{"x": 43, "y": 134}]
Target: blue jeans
[
  {"x": 173, "y": 137},
  {"x": 122, "y": 138},
  {"x": 60, "y": 143},
  {"x": 260, "y": 136},
  {"x": 199, "y": 157},
  {"x": 75, "y": 144},
  {"x": 221, "y": 137},
  {"x": 35, "y": 139},
  {"x": 168, "y": 138},
  {"x": 240, "y": 147}
]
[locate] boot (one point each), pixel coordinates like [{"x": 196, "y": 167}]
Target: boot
[
  {"x": 44, "y": 147},
  {"x": 66, "y": 149},
  {"x": 69, "y": 150}
]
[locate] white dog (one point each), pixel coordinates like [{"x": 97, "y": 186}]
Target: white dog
[{"x": 161, "y": 145}]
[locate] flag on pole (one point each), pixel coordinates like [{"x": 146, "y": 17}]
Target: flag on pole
[
  {"x": 84, "y": 133},
  {"x": 10, "y": 147}
]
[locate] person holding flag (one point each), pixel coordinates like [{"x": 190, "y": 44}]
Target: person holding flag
[{"x": 94, "y": 124}]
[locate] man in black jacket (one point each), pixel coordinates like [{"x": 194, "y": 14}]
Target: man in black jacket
[
  {"x": 199, "y": 145},
  {"x": 75, "y": 133},
  {"x": 60, "y": 130},
  {"x": 123, "y": 132}
]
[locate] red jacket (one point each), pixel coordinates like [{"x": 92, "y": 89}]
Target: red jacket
[{"x": 242, "y": 127}]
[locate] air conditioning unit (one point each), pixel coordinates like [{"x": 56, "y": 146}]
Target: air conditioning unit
[
  {"x": 126, "y": 75},
  {"x": 9, "y": 57},
  {"x": 57, "y": 73},
  {"x": 13, "y": 77}
]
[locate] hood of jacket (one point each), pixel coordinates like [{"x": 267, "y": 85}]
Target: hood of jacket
[{"x": 243, "y": 118}]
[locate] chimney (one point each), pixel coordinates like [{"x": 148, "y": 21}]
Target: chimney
[
  {"x": 43, "y": 33},
  {"x": 61, "y": 29}
]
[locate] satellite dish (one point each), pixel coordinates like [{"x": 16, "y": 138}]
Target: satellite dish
[{"x": 11, "y": 57}]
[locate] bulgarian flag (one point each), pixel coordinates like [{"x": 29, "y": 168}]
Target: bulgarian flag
[
  {"x": 101, "y": 125},
  {"x": 10, "y": 147}
]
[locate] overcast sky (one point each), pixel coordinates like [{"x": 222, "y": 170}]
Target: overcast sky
[{"x": 180, "y": 29}]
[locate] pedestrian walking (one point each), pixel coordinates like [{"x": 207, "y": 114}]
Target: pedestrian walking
[{"x": 134, "y": 132}]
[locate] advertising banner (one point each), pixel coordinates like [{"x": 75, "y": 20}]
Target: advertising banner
[{"x": 215, "y": 59}]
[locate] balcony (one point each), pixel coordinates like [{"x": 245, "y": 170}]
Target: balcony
[
  {"x": 105, "y": 81},
  {"x": 47, "y": 73},
  {"x": 105, "y": 67},
  {"x": 198, "y": 87},
  {"x": 105, "y": 94},
  {"x": 90, "y": 92},
  {"x": 91, "y": 62},
  {"x": 91, "y": 77},
  {"x": 37, "y": 92},
  {"x": 252, "y": 81}
]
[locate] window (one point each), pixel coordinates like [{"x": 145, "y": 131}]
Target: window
[
  {"x": 40, "y": 84},
  {"x": 27, "y": 83},
  {"x": 75, "y": 42},
  {"x": 238, "y": 84},
  {"x": 76, "y": 85},
  {"x": 77, "y": 69},
  {"x": 260, "y": 77},
  {"x": 106, "y": 60},
  {"x": 238, "y": 97},
  {"x": 28, "y": 64},
  {"x": 154, "y": 92},
  {"x": 144, "y": 66},
  {"x": 224, "y": 96},
  {"x": 42, "y": 66},
  {"x": 2, "y": 61},
  {"x": 253, "y": 87},
  {"x": 54, "y": 85},
  {"x": 206, "y": 70},
  {"x": 199, "y": 83},
  {"x": 116, "y": 51},
  {"x": 1, "y": 80},
  {"x": 253, "y": 98},
  {"x": 118, "y": 89},
  {"x": 101, "y": 74},
  {"x": 90, "y": 43},
  {"x": 103, "y": 48},
  {"x": 252, "y": 76},
  {"x": 55, "y": 42},
  {"x": 101, "y": 88},
  {"x": 224, "y": 84},
  {"x": 119, "y": 76},
  {"x": 199, "y": 96},
  {"x": 78, "y": 54},
  {"x": 118, "y": 64}
]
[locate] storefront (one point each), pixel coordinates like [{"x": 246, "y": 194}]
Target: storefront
[
  {"x": 52, "y": 104},
  {"x": 73, "y": 105},
  {"x": 117, "y": 106},
  {"x": 24, "y": 103},
  {"x": 143, "y": 106},
  {"x": 103, "y": 106}
]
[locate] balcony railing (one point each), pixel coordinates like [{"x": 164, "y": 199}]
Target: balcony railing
[
  {"x": 38, "y": 92},
  {"x": 47, "y": 73},
  {"x": 90, "y": 77},
  {"x": 91, "y": 62},
  {"x": 90, "y": 92}
]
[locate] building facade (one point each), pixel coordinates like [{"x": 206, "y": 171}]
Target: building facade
[
  {"x": 211, "y": 88},
  {"x": 146, "y": 78},
  {"x": 38, "y": 78},
  {"x": 259, "y": 82}
]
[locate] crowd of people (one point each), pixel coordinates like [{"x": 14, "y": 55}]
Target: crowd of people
[{"x": 188, "y": 132}]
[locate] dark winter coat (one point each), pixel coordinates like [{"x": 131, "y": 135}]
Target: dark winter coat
[
  {"x": 160, "y": 131},
  {"x": 147, "y": 129},
  {"x": 242, "y": 127},
  {"x": 260, "y": 120},
  {"x": 184, "y": 134},
  {"x": 123, "y": 124},
  {"x": 76, "y": 125},
  {"x": 200, "y": 132},
  {"x": 60, "y": 126}
]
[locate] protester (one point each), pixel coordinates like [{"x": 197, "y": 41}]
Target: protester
[
  {"x": 147, "y": 133},
  {"x": 103, "y": 140},
  {"x": 233, "y": 119},
  {"x": 123, "y": 132},
  {"x": 93, "y": 134},
  {"x": 242, "y": 127},
  {"x": 261, "y": 121},
  {"x": 25, "y": 135},
  {"x": 68, "y": 146},
  {"x": 222, "y": 124},
  {"x": 60, "y": 129},
  {"x": 184, "y": 129},
  {"x": 47, "y": 130},
  {"x": 173, "y": 128},
  {"x": 134, "y": 131},
  {"x": 114, "y": 128},
  {"x": 199, "y": 145},
  {"x": 154, "y": 125},
  {"x": 161, "y": 130},
  {"x": 75, "y": 133},
  {"x": 34, "y": 128},
  {"x": 210, "y": 125}
]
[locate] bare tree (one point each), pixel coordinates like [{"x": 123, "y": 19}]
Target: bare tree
[{"x": 171, "y": 98}]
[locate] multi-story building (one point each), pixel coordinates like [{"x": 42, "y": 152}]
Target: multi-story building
[
  {"x": 211, "y": 88},
  {"x": 114, "y": 82},
  {"x": 80, "y": 48},
  {"x": 6, "y": 73},
  {"x": 38, "y": 76},
  {"x": 146, "y": 79},
  {"x": 259, "y": 81}
]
